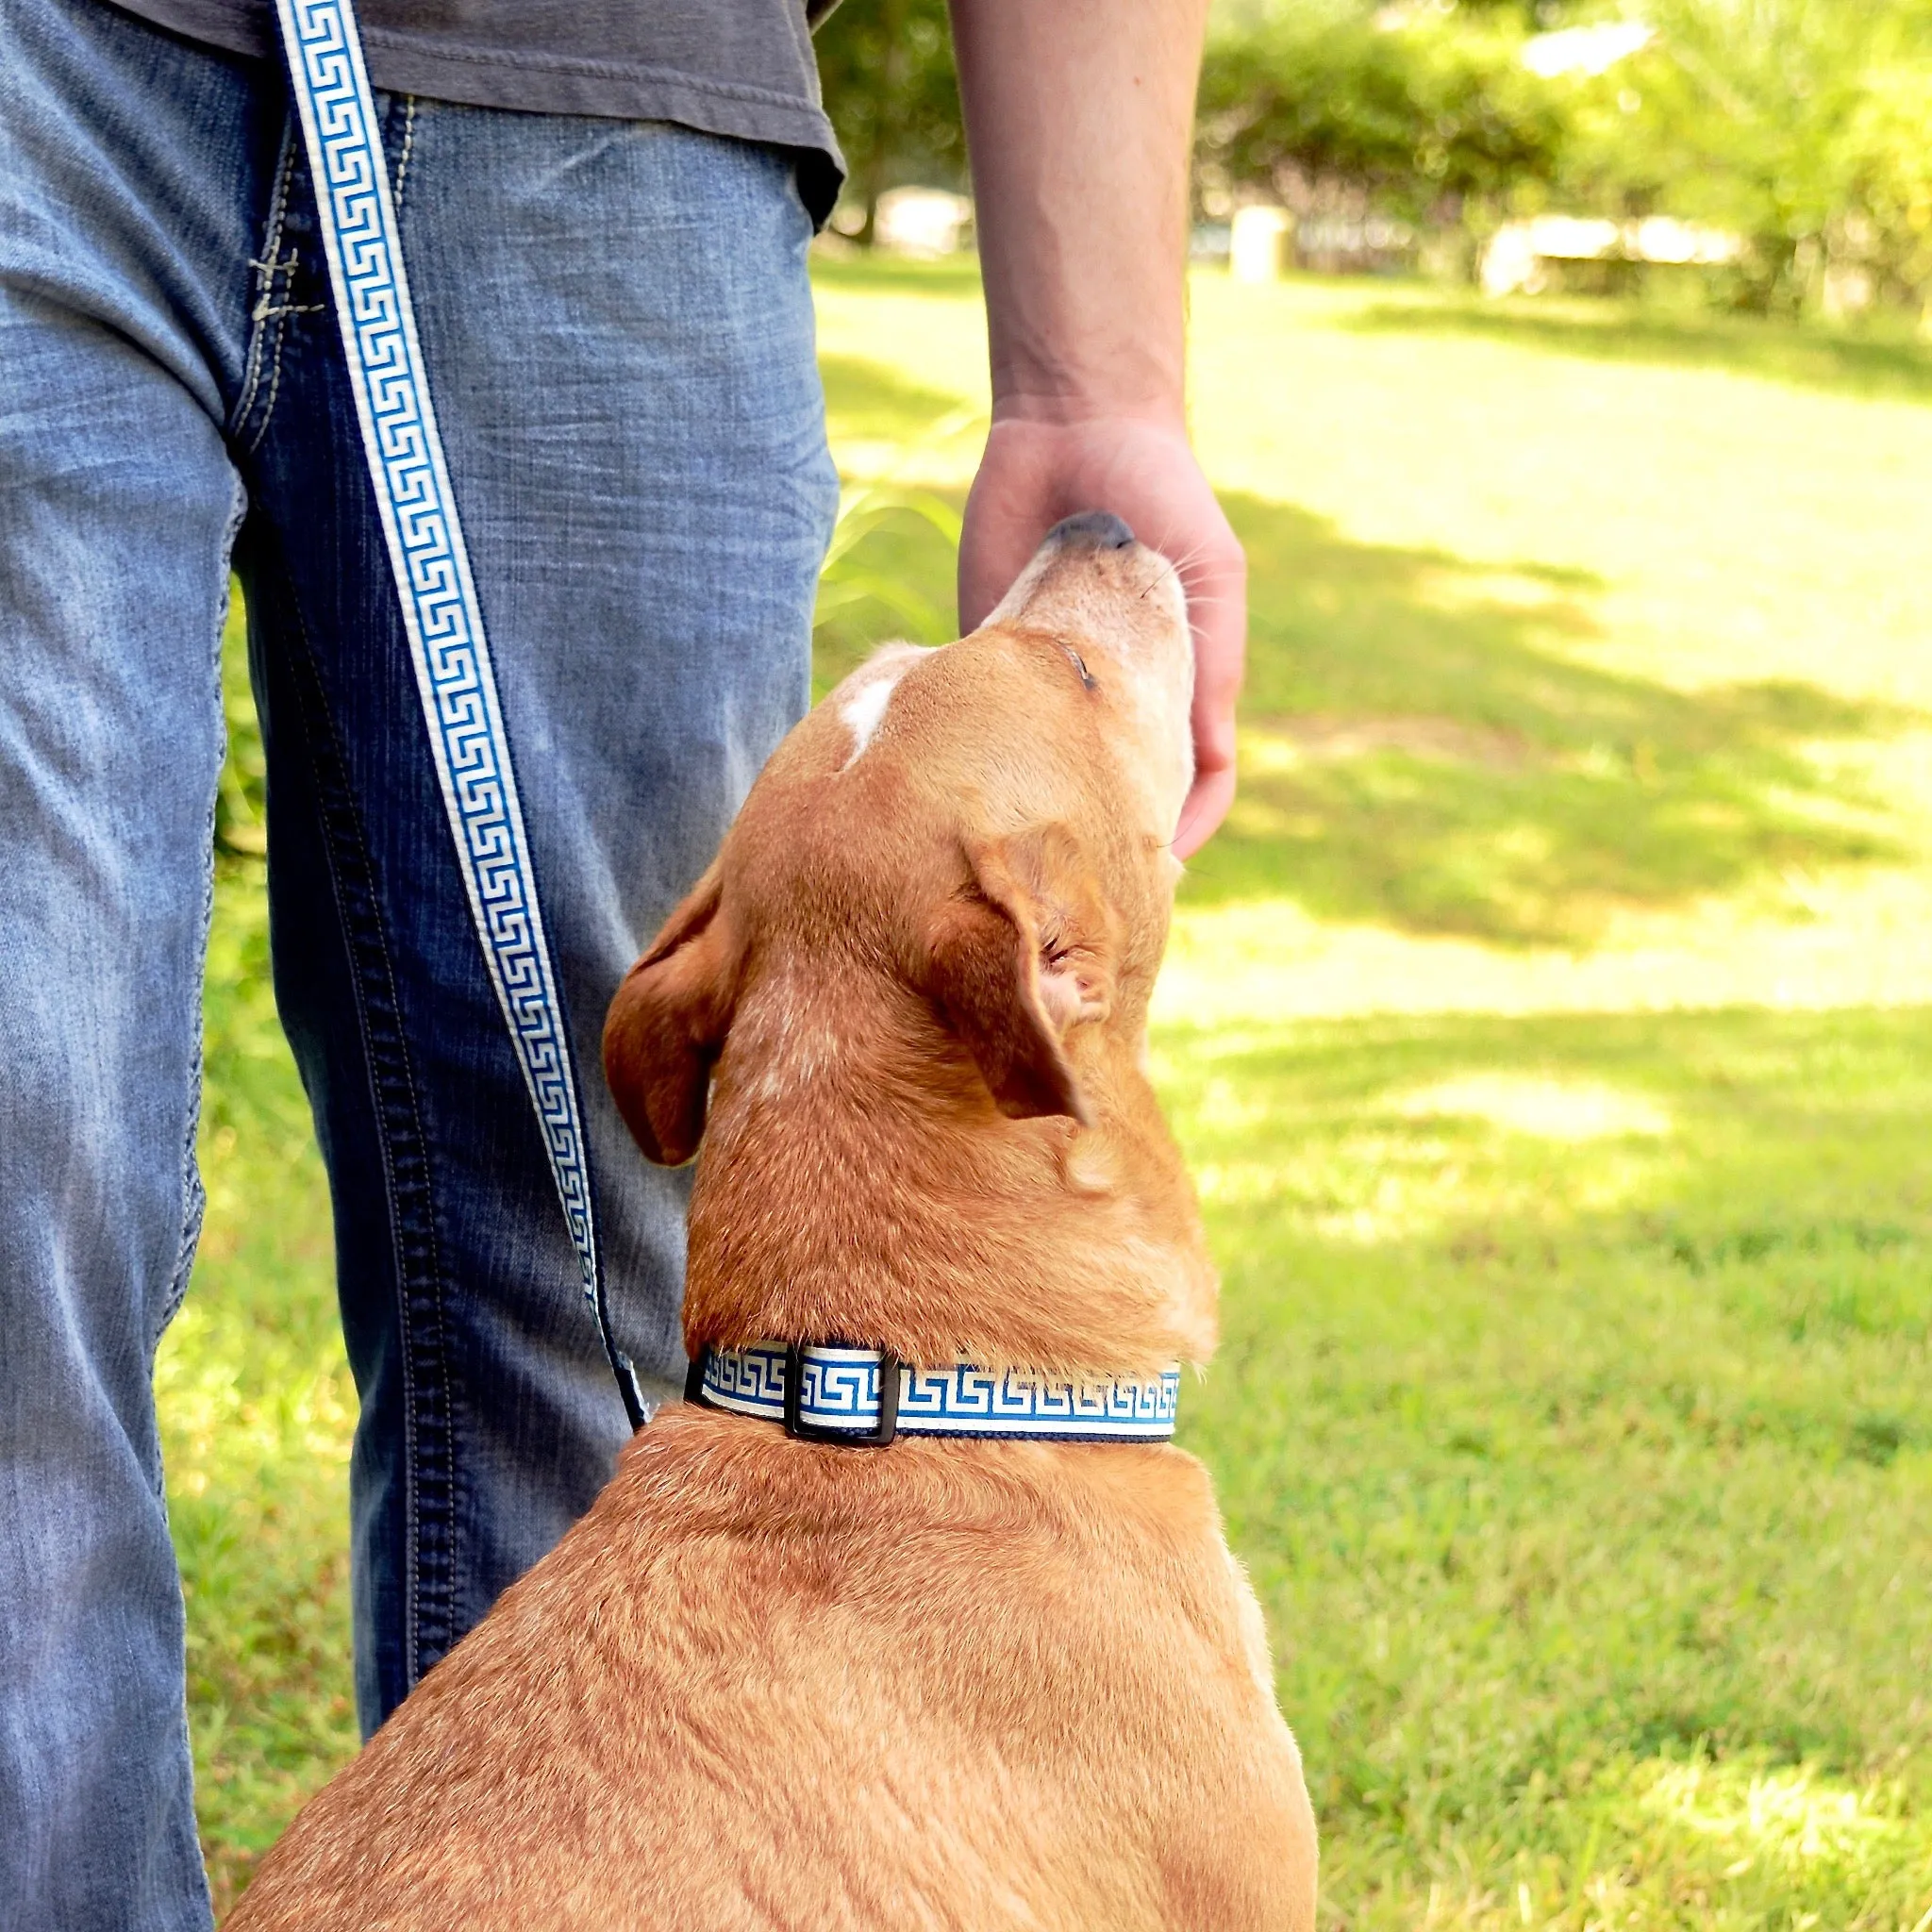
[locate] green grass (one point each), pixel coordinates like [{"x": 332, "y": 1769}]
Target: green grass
[
  {"x": 1551, "y": 1033},
  {"x": 1572, "y": 1420},
  {"x": 1886, "y": 358}
]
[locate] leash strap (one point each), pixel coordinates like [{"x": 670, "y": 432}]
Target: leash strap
[
  {"x": 440, "y": 613},
  {"x": 830, "y": 1392}
]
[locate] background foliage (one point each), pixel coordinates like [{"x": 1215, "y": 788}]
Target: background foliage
[
  {"x": 1803, "y": 126},
  {"x": 1324, "y": 103},
  {"x": 887, "y": 68}
]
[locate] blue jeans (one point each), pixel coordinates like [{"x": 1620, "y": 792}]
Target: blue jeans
[{"x": 618, "y": 329}]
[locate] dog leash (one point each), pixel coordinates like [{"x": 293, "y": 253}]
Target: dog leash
[{"x": 440, "y": 614}]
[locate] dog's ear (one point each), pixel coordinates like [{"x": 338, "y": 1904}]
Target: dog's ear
[
  {"x": 1017, "y": 956},
  {"x": 668, "y": 1024}
]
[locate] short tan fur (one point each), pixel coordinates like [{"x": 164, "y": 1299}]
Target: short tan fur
[{"x": 900, "y": 1023}]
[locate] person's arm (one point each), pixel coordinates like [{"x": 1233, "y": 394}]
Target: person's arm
[{"x": 1079, "y": 114}]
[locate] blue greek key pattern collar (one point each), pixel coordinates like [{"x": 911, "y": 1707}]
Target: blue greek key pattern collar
[{"x": 829, "y": 1392}]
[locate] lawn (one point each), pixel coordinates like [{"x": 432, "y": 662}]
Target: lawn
[{"x": 1551, "y": 1033}]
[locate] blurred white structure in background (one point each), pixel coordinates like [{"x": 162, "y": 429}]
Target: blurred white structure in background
[
  {"x": 923, "y": 221},
  {"x": 1257, "y": 243},
  {"x": 1514, "y": 257},
  {"x": 1585, "y": 49}
]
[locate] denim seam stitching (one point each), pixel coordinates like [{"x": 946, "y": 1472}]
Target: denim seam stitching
[
  {"x": 279, "y": 317},
  {"x": 408, "y": 149},
  {"x": 267, "y": 267},
  {"x": 407, "y": 1328},
  {"x": 194, "y": 1195},
  {"x": 411, "y": 1515}
]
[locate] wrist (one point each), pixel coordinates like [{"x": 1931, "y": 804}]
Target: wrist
[
  {"x": 1078, "y": 406},
  {"x": 1065, "y": 362}
]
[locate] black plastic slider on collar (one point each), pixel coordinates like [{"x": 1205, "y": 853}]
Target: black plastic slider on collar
[
  {"x": 881, "y": 1433},
  {"x": 876, "y": 1436}
]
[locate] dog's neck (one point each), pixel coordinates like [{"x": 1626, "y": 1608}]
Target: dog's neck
[{"x": 856, "y": 1184}]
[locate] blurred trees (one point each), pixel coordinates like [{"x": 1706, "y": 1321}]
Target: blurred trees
[
  {"x": 1803, "y": 126},
  {"x": 887, "y": 68},
  {"x": 1890, "y": 146},
  {"x": 1328, "y": 105}
]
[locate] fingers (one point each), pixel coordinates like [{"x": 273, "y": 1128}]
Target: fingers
[
  {"x": 1033, "y": 473},
  {"x": 1208, "y": 805},
  {"x": 992, "y": 552},
  {"x": 1218, "y": 602},
  {"x": 1015, "y": 500}
]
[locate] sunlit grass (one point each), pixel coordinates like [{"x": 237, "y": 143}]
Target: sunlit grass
[
  {"x": 1567, "y": 1462},
  {"x": 1552, "y": 1037},
  {"x": 1542, "y": 1108}
]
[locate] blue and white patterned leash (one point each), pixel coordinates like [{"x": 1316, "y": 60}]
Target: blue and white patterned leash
[
  {"x": 829, "y": 1392},
  {"x": 438, "y": 596}
]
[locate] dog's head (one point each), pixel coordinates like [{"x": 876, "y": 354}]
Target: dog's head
[{"x": 922, "y": 960}]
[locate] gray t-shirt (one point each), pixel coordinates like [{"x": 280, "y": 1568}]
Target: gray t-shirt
[{"x": 739, "y": 67}]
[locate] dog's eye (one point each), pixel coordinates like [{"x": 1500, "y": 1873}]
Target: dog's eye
[{"x": 1079, "y": 664}]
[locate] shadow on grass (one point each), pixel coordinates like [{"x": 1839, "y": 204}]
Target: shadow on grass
[
  {"x": 1429, "y": 746},
  {"x": 1559, "y": 1445},
  {"x": 1803, "y": 357},
  {"x": 869, "y": 401}
]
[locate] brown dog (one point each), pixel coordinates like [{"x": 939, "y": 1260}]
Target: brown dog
[{"x": 770, "y": 1682}]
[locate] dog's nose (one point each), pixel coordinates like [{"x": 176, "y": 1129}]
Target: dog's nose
[{"x": 1097, "y": 529}]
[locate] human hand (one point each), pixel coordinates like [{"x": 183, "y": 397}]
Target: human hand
[{"x": 1037, "y": 470}]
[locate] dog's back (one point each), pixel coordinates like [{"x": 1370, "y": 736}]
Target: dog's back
[{"x": 769, "y": 1684}]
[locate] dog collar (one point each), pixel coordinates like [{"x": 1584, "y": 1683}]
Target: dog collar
[{"x": 826, "y": 1392}]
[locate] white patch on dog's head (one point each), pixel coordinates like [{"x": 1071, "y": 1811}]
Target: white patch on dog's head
[
  {"x": 869, "y": 691},
  {"x": 862, "y": 712}
]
